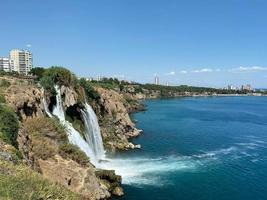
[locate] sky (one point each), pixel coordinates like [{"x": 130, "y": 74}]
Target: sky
[{"x": 202, "y": 43}]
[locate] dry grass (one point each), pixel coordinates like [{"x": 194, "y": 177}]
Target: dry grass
[{"x": 20, "y": 182}]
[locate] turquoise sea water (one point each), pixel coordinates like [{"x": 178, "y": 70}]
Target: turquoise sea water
[{"x": 199, "y": 149}]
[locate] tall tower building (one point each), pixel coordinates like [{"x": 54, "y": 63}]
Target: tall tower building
[
  {"x": 4, "y": 64},
  {"x": 156, "y": 81},
  {"x": 21, "y": 61}
]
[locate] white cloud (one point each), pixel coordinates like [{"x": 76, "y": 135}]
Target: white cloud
[
  {"x": 28, "y": 45},
  {"x": 170, "y": 73},
  {"x": 183, "y": 72},
  {"x": 248, "y": 69},
  {"x": 202, "y": 70}
]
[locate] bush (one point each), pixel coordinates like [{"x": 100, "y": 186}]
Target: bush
[
  {"x": 70, "y": 151},
  {"x": 4, "y": 83},
  {"x": 9, "y": 125},
  {"x": 89, "y": 90},
  {"x": 45, "y": 135},
  {"x": 2, "y": 99},
  {"x": 38, "y": 71},
  {"x": 58, "y": 75}
]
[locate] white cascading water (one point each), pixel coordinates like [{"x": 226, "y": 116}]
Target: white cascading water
[
  {"x": 45, "y": 105},
  {"x": 93, "y": 134},
  {"x": 73, "y": 135}
]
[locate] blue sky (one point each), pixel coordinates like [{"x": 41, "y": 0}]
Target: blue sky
[{"x": 205, "y": 43}]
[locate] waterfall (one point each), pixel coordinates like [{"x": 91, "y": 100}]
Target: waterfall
[
  {"x": 45, "y": 104},
  {"x": 46, "y": 108},
  {"x": 93, "y": 134},
  {"x": 74, "y": 136},
  {"x": 58, "y": 109}
]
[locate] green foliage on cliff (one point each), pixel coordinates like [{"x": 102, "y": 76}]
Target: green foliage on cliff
[
  {"x": 38, "y": 71},
  {"x": 70, "y": 151},
  {"x": 21, "y": 182},
  {"x": 89, "y": 90},
  {"x": 9, "y": 125},
  {"x": 49, "y": 138},
  {"x": 58, "y": 75},
  {"x": 45, "y": 135},
  {"x": 4, "y": 83}
]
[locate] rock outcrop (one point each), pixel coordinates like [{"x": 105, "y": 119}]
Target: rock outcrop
[
  {"x": 73, "y": 176},
  {"x": 70, "y": 97},
  {"x": 116, "y": 126},
  {"x": 26, "y": 100}
]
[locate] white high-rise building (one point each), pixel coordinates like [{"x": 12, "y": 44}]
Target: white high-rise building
[
  {"x": 4, "y": 64},
  {"x": 156, "y": 81},
  {"x": 21, "y": 61}
]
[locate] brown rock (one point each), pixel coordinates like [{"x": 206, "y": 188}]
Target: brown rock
[
  {"x": 73, "y": 176},
  {"x": 26, "y": 99}
]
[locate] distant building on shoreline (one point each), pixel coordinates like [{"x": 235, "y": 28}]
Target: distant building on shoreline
[
  {"x": 247, "y": 87},
  {"x": 5, "y": 64},
  {"x": 156, "y": 80}
]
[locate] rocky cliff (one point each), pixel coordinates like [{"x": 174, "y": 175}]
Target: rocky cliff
[
  {"x": 43, "y": 145},
  {"x": 116, "y": 126}
]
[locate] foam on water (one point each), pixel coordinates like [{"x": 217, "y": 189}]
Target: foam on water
[{"x": 147, "y": 171}]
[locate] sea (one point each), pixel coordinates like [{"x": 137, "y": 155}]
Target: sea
[{"x": 198, "y": 148}]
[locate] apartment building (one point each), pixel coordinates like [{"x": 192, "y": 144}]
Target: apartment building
[
  {"x": 21, "y": 61},
  {"x": 4, "y": 64}
]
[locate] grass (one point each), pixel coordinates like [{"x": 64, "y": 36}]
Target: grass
[
  {"x": 49, "y": 138},
  {"x": 20, "y": 182},
  {"x": 46, "y": 135},
  {"x": 70, "y": 151}
]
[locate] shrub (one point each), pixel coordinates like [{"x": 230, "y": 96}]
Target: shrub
[
  {"x": 58, "y": 75},
  {"x": 4, "y": 83},
  {"x": 70, "y": 151},
  {"x": 46, "y": 133},
  {"x": 38, "y": 71},
  {"x": 9, "y": 125},
  {"x": 2, "y": 99},
  {"x": 89, "y": 90},
  {"x": 46, "y": 126}
]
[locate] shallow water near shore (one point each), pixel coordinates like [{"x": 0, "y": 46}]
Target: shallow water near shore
[{"x": 198, "y": 148}]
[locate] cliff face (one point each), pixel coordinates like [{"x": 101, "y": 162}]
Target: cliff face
[
  {"x": 26, "y": 99},
  {"x": 116, "y": 125}
]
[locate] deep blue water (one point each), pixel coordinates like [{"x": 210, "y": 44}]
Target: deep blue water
[{"x": 199, "y": 149}]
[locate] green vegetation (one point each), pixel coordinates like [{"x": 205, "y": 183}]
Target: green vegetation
[
  {"x": 58, "y": 75},
  {"x": 110, "y": 83},
  {"x": 2, "y": 99},
  {"x": 49, "y": 138},
  {"x": 70, "y": 151},
  {"x": 9, "y": 125},
  {"x": 4, "y": 83},
  {"x": 89, "y": 90},
  {"x": 20, "y": 182},
  {"x": 167, "y": 91},
  {"x": 38, "y": 71},
  {"x": 45, "y": 134}
]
